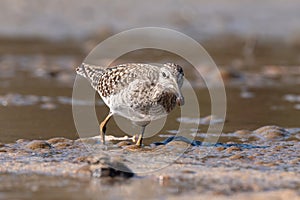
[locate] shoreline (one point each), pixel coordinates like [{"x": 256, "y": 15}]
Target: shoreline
[{"x": 220, "y": 172}]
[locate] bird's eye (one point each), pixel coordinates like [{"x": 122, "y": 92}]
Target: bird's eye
[{"x": 164, "y": 74}]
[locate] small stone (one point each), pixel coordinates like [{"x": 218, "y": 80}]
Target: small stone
[
  {"x": 38, "y": 144},
  {"x": 178, "y": 144},
  {"x": 220, "y": 148},
  {"x": 271, "y": 132},
  {"x": 62, "y": 145},
  {"x": 233, "y": 148},
  {"x": 111, "y": 169},
  {"x": 236, "y": 156},
  {"x": 58, "y": 139}
]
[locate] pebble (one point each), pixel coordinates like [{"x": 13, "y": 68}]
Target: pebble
[
  {"x": 271, "y": 132},
  {"x": 62, "y": 145},
  {"x": 105, "y": 167},
  {"x": 102, "y": 166},
  {"x": 178, "y": 144},
  {"x": 236, "y": 156},
  {"x": 233, "y": 148},
  {"x": 58, "y": 140},
  {"x": 38, "y": 144},
  {"x": 220, "y": 148},
  {"x": 107, "y": 171}
]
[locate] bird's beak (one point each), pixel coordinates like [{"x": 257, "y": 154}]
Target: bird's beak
[{"x": 180, "y": 100}]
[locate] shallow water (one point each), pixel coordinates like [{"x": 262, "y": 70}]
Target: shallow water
[{"x": 45, "y": 92}]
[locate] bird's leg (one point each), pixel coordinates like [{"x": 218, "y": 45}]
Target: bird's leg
[
  {"x": 103, "y": 127},
  {"x": 141, "y": 135}
]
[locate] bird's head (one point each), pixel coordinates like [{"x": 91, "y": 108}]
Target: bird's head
[{"x": 171, "y": 77}]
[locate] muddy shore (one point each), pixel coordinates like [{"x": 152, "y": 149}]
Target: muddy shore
[{"x": 266, "y": 168}]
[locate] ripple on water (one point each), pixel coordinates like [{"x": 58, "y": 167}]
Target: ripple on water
[
  {"x": 45, "y": 102},
  {"x": 210, "y": 119}
]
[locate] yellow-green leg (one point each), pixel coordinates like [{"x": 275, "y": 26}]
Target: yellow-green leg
[
  {"x": 103, "y": 127},
  {"x": 141, "y": 135}
]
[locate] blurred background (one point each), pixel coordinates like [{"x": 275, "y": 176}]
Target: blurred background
[{"x": 256, "y": 45}]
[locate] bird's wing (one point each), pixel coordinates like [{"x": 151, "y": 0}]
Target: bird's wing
[
  {"x": 111, "y": 80},
  {"x": 121, "y": 76}
]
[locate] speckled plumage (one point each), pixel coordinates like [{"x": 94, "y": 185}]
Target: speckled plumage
[{"x": 139, "y": 92}]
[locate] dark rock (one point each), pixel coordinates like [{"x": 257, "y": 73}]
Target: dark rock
[{"x": 106, "y": 167}]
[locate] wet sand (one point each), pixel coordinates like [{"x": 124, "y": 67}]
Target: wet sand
[{"x": 265, "y": 168}]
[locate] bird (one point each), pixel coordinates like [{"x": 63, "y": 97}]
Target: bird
[{"x": 140, "y": 92}]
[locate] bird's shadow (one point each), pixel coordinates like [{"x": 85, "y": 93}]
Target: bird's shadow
[{"x": 198, "y": 143}]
